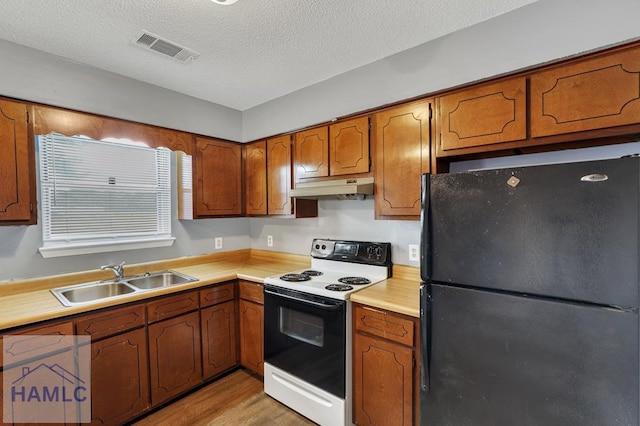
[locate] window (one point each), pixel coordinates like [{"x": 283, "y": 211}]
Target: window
[{"x": 99, "y": 196}]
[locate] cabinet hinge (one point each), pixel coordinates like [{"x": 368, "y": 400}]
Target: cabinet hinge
[
  {"x": 430, "y": 112},
  {"x": 30, "y": 207},
  {"x": 27, "y": 116}
]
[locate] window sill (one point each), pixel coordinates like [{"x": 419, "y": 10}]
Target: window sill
[{"x": 75, "y": 248}]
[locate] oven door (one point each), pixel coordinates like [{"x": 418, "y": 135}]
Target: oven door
[{"x": 305, "y": 335}]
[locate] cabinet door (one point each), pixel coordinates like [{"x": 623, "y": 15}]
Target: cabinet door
[
  {"x": 119, "y": 378},
  {"x": 256, "y": 178},
  {"x": 279, "y": 176},
  {"x": 311, "y": 153},
  {"x": 218, "y": 325},
  {"x": 252, "y": 336},
  {"x": 174, "y": 356},
  {"x": 402, "y": 137},
  {"x": 382, "y": 382},
  {"x": 484, "y": 115},
  {"x": 349, "y": 147},
  {"x": 590, "y": 94},
  {"x": 15, "y": 168},
  {"x": 218, "y": 178}
]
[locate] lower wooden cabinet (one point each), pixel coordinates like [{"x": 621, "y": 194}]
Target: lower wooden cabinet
[
  {"x": 218, "y": 326},
  {"x": 119, "y": 378},
  {"x": 174, "y": 356},
  {"x": 27, "y": 351},
  {"x": 385, "y": 376},
  {"x": 251, "y": 313}
]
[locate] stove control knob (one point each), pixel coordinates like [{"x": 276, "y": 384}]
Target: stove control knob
[
  {"x": 324, "y": 247},
  {"x": 375, "y": 251}
]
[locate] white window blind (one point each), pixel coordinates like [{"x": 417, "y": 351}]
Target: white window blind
[{"x": 102, "y": 196}]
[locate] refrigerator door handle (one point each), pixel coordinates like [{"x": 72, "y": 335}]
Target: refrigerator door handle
[{"x": 424, "y": 346}]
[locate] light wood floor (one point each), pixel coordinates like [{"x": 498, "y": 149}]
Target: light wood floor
[{"x": 236, "y": 399}]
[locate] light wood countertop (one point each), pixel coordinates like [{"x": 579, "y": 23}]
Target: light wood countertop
[
  {"x": 400, "y": 294},
  {"x": 30, "y": 301}
]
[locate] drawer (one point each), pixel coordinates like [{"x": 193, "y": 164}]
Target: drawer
[
  {"x": 251, "y": 291},
  {"x": 111, "y": 322},
  {"x": 384, "y": 324},
  {"x": 218, "y": 294},
  {"x": 172, "y": 306},
  {"x": 27, "y": 343}
]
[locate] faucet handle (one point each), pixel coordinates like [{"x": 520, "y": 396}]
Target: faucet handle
[{"x": 117, "y": 269}]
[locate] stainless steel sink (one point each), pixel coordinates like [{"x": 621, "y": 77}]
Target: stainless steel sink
[
  {"x": 159, "y": 279},
  {"x": 91, "y": 292},
  {"x": 99, "y": 290}
]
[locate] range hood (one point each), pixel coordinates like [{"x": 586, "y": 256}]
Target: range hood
[{"x": 343, "y": 189}]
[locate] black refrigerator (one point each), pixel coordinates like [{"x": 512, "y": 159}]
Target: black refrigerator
[{"x": 529, "y": 300}]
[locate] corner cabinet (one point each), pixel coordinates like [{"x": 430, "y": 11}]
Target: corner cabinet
[
  {"x": 17, "y": 174},
  {"x": 402, "y": 137},
  {"x": 218, "y": 181},
  {"x": 483, "y": 115},
  {"x": 595, "y": 93},
  {"x": 385, "y": 373}
]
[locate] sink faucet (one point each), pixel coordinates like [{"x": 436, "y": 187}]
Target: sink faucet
[{"x": 116, "y": 269}]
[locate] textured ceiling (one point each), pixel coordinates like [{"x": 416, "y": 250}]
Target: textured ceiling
[{"x": 251, "y": 51}]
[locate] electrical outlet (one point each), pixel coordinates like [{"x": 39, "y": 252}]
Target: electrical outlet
[
  {"x": 218, "y": 241},
  {"x": 414, "y": 253},
  {"x": 269, "y": 240}
]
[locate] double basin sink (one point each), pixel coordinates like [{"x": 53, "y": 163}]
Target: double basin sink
[{"x": 80, "y": 294}]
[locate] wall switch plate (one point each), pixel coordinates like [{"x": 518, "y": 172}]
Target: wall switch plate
[
  {"x": 218, "y": 241},
  {"x": 414, "y": 253},
  {"x": 269, "y": 240}
]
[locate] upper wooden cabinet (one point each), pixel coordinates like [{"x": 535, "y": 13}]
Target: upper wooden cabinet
[
  {"x": 483, "y": 115},
  {"x": 17, "y": 192},
  {"x": 256, "y": 178},
  {"x": 311, "y": 153},
  {"x": 339, "y": 149},
  {"x": 218, "y": 182},
  {"x": 277, "y": 175},
  {"x": 402, "y": 147},
  {"x": 349, "y": 147},
  {"x": 71, "y": 123},
  {"x": 595, "y": 93}
]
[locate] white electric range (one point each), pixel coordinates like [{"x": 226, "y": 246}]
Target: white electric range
[{"x": 307, "y": 327}]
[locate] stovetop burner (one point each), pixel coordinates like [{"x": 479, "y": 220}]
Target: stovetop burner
[
  {"x": 339, "y": 287},
  {"x": 354, "y": 280},
  {"x": 295, "y": 277},
  {"x": 338, "y": 268}
]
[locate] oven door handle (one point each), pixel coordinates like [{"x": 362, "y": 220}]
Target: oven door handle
[{"x": 308, "y": 302}]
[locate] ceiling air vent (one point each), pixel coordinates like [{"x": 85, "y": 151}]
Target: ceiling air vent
[{"x": 158, "y": 44}]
